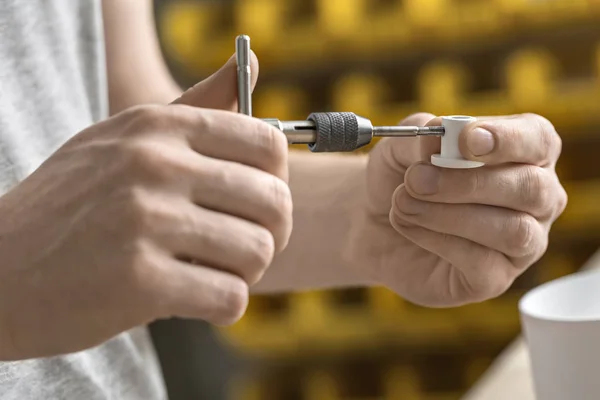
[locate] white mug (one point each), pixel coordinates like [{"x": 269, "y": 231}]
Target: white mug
[{"x": 561, "y": 324}]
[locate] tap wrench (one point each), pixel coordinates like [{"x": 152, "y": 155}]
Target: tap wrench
[
  {"x": 324, "y": 131},
  {"x": 346, "y": 131}
]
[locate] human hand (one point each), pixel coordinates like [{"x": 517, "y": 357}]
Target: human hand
[
  {"x": 446, "y": 237},
  {"x": 99, "y": 239}
]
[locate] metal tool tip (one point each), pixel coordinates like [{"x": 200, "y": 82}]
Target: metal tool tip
[{"x": 242, "y": 50}]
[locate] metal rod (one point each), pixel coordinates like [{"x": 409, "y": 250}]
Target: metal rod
[
  {"x": 244, "y": 74},
  {"x": 407, "y": 131}
]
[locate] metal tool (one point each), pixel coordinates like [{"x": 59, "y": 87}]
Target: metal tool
[
  {"x": 323, "y": 131},
  {"x": 244, "y": 73},
  {"x": 343, "y": 131}
]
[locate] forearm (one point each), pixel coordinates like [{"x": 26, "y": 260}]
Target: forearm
[
  {"x": 137, "y": 72},
  {"x": 328, "y": 190}
]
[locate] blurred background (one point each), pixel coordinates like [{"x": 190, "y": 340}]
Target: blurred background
[{"x": 385, "y": 59}]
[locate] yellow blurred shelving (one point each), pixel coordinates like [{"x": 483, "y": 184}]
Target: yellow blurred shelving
[{"x": 403, "y": 24}]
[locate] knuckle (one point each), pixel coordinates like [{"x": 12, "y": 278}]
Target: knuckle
[
  {"x": 534, "y": 188},
  {"x": 543, "y": 248},
  {"x": 262, "y": 251},
  {"x": 490, "y": 285},
  {"x": 273, "y": 144},
  {"x": 137, "y": 201},
  {"x": 142, "y": 214},
  {"x": 558, "y": 143},
  {"x": 498, "y": 287},
  {"x": 490, "y": 290},
  {"x": 136, "y": 262},
  {"x": 203, "y": 121},
  {"x": 531, "y": 116},
  {"x": 133, "y": 204},
  {"x": 554, "y": 143},
  {"x": 147, "y": 117},
  {"x": 138, "y": 155},
  {"x": 543, "y": 123},
  {"x": 224, "y": 175},
  {"x": 520, "y": 233},
  {"x": 281, "y": 203},
  {"x": 143, "y": 265},
  {"x": 561, "y": 202},
  {"x": 146, "y": 161},
  {"x": 551, "y": 142},
  {"x": 144, "y": 277},
  {"x": 279, "y": 145},
  {"x": 234, "y": 302}
]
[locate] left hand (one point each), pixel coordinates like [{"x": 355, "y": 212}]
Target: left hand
[{"x": 447, "y": 237}]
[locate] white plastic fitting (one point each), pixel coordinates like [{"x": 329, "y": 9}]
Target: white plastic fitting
[{"x": 450, "y": 156}]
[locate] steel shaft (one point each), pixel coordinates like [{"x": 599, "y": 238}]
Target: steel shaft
[
  {"x": 244, "y": 74},
  {"x": 305, "y": 132}
]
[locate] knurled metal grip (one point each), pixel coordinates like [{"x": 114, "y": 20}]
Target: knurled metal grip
[{"x": 336, "y": 132}]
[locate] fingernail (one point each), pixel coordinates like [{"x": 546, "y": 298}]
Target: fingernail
[
  {"x": 424, "y": 179},
  {"x": 480, "y": 142}
]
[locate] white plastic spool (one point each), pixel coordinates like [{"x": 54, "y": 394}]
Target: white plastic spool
[{"x": 450, "y": 156}]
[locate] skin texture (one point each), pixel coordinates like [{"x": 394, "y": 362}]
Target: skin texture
[
  {"x": 446, "y": 237},
  {"x": 189, "y": 210},
  {"x": 195, "y": 209}
]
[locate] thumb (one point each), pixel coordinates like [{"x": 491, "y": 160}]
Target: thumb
[
  {"x": 427, "y": 145},
  {"x": 219, "y": 91}
]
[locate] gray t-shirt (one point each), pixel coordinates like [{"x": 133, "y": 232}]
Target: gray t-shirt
[{"x": 52, "y": 85}]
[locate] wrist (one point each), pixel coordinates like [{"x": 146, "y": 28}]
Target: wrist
[
  {"x": 358, "y": 258},
  {"x": 362, "y": 248},
  {"x": 328, "y": 192}
]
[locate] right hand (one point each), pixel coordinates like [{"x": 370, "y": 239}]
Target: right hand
[{"x": 101, "y": 238}]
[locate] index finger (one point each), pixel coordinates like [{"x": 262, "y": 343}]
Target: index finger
[
  {"x": 238, "y": 138},
  {"x": 526, "y": 139}
]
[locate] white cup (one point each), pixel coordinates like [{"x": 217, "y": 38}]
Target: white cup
[{"x": 561, "y": 323}]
